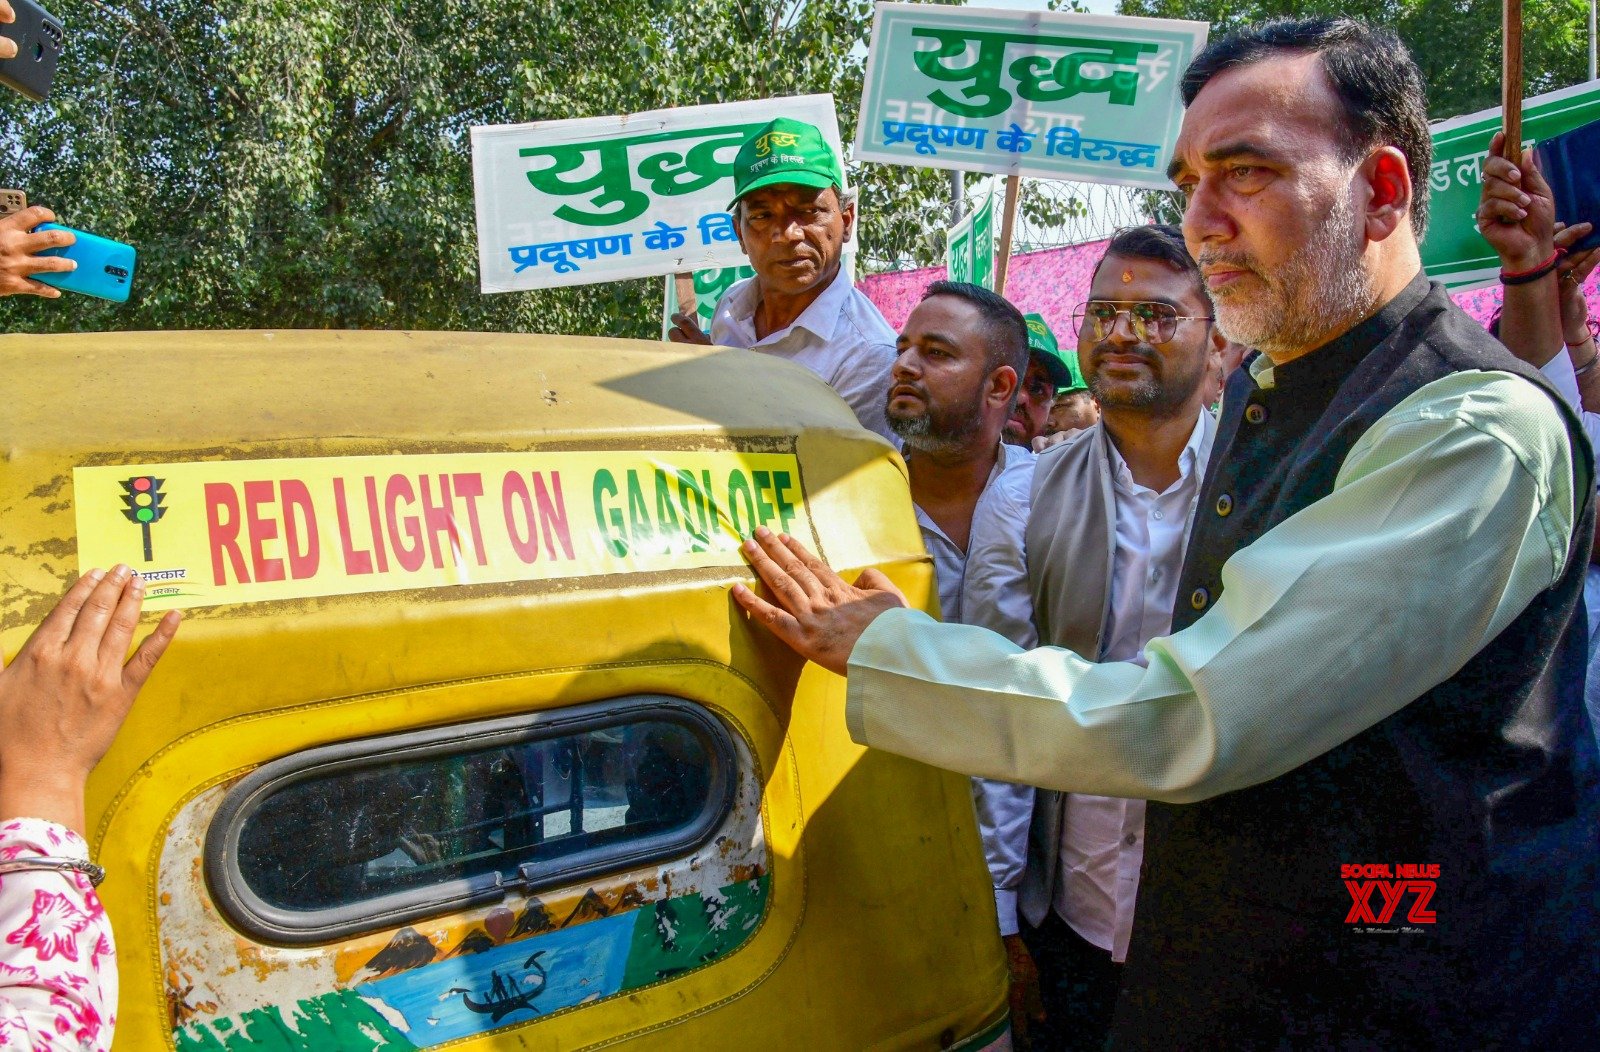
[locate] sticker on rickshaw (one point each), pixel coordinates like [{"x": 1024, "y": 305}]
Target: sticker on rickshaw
[{"x": 213, "y": 532}]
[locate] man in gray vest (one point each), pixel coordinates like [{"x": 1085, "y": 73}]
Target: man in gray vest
[
  {"x": 1372, "y": 821},
  {"x": 1111, "y": 513}
]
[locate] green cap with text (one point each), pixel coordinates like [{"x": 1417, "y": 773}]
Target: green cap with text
[
  {"x": 1042, "y": 342},
  {"x": 785, "y": 151}
]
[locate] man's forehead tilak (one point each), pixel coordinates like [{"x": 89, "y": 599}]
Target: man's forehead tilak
[{"x": 1179, "y": 290}]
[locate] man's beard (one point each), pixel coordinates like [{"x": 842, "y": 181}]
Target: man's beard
[
  {"x": 938, "y": 428},
  {"x": 1322, "y": 286},
  {"x": 1148, "y": 392}
]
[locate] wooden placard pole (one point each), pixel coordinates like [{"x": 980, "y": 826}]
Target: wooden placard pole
[
  {"x": 688, "y": 302},
  {"x": 1511, "y": 79},
  {"x": 1007, "y": 224}
]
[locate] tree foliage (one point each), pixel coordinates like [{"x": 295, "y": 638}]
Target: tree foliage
[
  {"x": 306, "y": 163},
  {"x": 1456, "y": 43}
]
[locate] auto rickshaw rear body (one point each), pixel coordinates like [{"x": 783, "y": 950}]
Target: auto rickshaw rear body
[{"x": 463, "y": 742}]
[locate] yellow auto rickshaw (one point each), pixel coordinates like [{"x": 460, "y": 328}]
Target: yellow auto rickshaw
[{"x": 463, "y": 742}]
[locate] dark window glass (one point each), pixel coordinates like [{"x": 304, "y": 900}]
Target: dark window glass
[{"x": 353, "y": 837}]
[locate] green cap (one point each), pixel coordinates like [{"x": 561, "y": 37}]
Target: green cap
[
  {"x": 1042, "y": 342},
  {"x": 785, "y": 151}
]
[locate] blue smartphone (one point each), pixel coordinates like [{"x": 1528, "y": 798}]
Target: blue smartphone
[{"x": 105, "y": 267}]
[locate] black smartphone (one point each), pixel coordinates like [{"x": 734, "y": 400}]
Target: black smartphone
[
  {"x": 1568, "y": 163},
  {"x": 39, "y": 39}
]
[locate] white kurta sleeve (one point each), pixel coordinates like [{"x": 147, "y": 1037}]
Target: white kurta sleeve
[{"x": 1446, "y": 519}]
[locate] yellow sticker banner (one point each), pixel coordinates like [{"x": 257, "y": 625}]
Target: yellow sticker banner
[{"x": 244, "y": 531}]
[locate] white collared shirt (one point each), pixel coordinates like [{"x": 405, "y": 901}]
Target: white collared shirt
[
  {"x": 987, "y": 585},
  {"x": 841, "y": 337},
  {"x": 1102, "y": 837}
]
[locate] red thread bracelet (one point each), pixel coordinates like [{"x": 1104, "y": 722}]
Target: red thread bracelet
[{"x": 1523, "y": 277}]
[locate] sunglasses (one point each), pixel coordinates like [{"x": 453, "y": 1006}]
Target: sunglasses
[{"x": 1151, "y": 322}]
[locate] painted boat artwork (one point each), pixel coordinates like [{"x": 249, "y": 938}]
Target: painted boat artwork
[
  {"x": 466, "y": 995},
  {"x": 486, "y": 983},
  {"x": 505, "y": 997}
]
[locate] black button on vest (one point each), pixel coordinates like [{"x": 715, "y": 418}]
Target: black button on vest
[{"x": 1240, "y": 937}]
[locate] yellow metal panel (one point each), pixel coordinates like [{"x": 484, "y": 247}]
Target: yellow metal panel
[{"x": 881, "y": 926}]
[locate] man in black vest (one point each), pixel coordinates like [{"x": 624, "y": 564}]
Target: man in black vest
[{"x": 1376, "y": 824}]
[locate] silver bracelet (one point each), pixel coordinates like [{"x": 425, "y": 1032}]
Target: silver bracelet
[{"x": 60, "y": 865}]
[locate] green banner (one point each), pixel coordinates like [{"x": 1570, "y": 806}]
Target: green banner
[
  {"x": 1042, "y": 94},
  {"x": 709, "y": 285},
  {"x": 1454, "y": 252},
  {"x": 969, "y": 246}
]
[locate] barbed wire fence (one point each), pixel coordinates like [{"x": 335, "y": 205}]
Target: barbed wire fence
[{"x": 1052, "y": 214}]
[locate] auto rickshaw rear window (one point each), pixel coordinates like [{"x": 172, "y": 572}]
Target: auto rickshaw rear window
[{"x": 364, "y": 835}]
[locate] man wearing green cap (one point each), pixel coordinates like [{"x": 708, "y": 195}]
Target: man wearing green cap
[
  {"x": 793, "y": 217},
  {"x": 1047, "y": 371},
  {"x": 1073, "y": 408}
]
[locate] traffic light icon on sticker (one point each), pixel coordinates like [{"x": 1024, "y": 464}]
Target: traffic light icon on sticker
[{"x": 142, "y": 496}]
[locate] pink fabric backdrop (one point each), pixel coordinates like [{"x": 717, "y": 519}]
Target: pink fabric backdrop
[{"x": 1056, "y": 280}]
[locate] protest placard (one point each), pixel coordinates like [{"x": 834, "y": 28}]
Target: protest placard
[
  {"x": 969, "y": 246},
  {"x": 573, "y": 202},
  {"x": 1454, "y": 252},
  {"x": 709, "y": 285},
  {"x": 1035, "y": 93}
]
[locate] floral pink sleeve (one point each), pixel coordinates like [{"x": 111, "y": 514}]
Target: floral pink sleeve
[{"x": 58, "y": 967}]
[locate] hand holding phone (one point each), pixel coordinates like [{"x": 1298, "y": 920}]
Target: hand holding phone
[
  {"x": 8, "y": 47},
  {"x": 20, "y": 248},
  {"x": 104, "y": 267},
  {"x": 33, "y": 39}
]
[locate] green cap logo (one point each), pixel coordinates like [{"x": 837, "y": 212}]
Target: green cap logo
[
  {"x": 1063, "y": 369},
  {"x": 785, "y": 151}
]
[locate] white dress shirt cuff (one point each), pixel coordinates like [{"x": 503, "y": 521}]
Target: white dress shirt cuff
[
  {"x": 1005, "y": 907},
  {"x": 1563, "y": 377}
]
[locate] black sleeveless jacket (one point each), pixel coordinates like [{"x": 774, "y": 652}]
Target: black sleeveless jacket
[{"x": 1240, "y": 937}]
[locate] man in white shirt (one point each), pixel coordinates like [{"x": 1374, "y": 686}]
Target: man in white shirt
[
  {"x": 794, "y": 217},
  {"x": 954, "y": 384},
  {"x": 1112, "y": 508}
]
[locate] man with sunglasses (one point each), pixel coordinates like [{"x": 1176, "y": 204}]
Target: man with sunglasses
[
  {"x": 1372, "y": 822},
  {"x": 1112, "y": 506}
]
